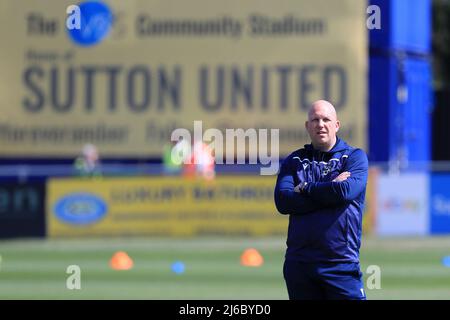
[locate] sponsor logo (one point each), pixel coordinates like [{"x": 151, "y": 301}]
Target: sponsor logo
[
  {"x": 441, "y": 205},
  {"x": 396, "y": 204},
  {"x": 94, "y": 23},
  {"x": 80, "y": 208}
]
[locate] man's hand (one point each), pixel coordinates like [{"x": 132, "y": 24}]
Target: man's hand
[
  {"x": 342, "y": 177},
  {"x": 300, "y": 187}
]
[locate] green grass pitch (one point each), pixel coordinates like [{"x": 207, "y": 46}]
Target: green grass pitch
[{"x": 411, "y": 268}]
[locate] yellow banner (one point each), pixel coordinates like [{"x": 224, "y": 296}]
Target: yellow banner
[
  {"x": 135, "y": 70},
  {"x": 163, "y": 206}
]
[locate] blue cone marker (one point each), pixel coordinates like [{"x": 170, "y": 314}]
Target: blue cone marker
[
  {"x": 178, "y": 267},
  {"x": 446, "y": 261}
]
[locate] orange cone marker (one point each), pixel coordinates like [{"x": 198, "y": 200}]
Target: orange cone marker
[
  {"x": 251, "y": 258},
  {"x": 121, "y": 261}
]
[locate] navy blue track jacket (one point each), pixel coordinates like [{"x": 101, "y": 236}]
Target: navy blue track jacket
[{"x": 325, "y": 222}]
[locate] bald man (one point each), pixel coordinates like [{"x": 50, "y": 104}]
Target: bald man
[{"x": 322, "y": 188}]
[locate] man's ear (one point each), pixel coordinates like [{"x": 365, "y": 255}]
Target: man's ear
[
  {"x": 338, "y": 125},
  {"x": 306, "y": 125}
]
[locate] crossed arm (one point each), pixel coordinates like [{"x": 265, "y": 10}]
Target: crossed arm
[
  {"x": 287, "y": 200},
  {"x": 317, "y": 195}
]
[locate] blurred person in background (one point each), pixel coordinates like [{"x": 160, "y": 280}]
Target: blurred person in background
[
  {"x": 175, "y": 154},
  {"x": 192, "y": 161},
  {"x": 88, "y": 163},
  {"x": 204, "y": 161},
  {"x": 322, "y": 188}
]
